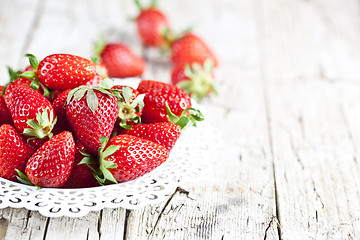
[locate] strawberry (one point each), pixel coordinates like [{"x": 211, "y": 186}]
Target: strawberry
[
  {"x": 51, "y": 164},
  {"x": 130, "y": 104},
  {"x": 14, "y": 152},
  {"x": 14, "y": 84},
  {"x": 157, "y": 95},
  {"x": 119, "y": 60},
  {"x": 196, "y": 80},
  {"x": 60, "y": 111},
  {"x": 82, "y": 175},
  {"x": 127, "y": 157},
  {"x": 5, "y": 116},
  {"x": 61, "y": 71},
  {"x": 151, "y": 23},
  {"x": 32, "y": 114},
  {"x": 91, "y": 112},
  {"x": 163, "y": 133},
  {"x": 189, "y": 49}
]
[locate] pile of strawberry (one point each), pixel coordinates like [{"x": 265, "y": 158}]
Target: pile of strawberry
[
  {"x": 193, "y": 60},
  {"x": 63, "y": 123}
]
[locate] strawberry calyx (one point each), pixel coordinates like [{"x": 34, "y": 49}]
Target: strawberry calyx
[
  {"x": 98, "y": 49},
  {"x": 200, "y": 82},
  {"x": 89, "y": 160},
  {"x": 170, "y": 37},
  {"x": 91, "y": 98},
  {"x": 43, "y": 125},
  {"x": 24, "y": 179},
  {"x": 103, "y": 172},
  {"x": 129, "y": 110},
  {"x": 13, "y": 76},
  {"x": 153, "y": 4},
  {"x": 35, "y": 83},
  {"x": 189, "y": 115}
]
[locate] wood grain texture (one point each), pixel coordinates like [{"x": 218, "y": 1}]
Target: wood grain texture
[{"x": 288, "y": 107}]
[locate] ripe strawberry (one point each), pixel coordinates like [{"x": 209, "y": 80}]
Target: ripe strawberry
[
  {"x": 5, "y": 116},
  {"x": 18, "y": 82},
  {"x": 190, "y": 49},
  {"x": 164, "y": 133},
  {"x": 60, "y": 111},
  {"x": 157, "y": 95},
  {"x": 130, "y": 104},
  {"x": 151, "y": 23},
  {"x": 32, "y": 113},
  {"x": 196, "y": 80},
  {"x": 81, "y": 176},
  {"x": 91, "y": 112},
  {"x": 126, "y": 157},
  {"x": 119, "y": 60},
  {"x": 61, "y": 71},
  {"x": 51, "y": 164},
  {"x": 14, "y": 152}
]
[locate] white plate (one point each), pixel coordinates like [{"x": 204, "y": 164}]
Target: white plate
[{"x": 186, "y": 161}]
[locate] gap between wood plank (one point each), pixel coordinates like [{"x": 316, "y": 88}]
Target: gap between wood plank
[
  {"x": 46, "y": 227},
  {"x": 177, "y": 190},
  {"x": 127, "y": 213},
  {"x": 99, "y": 223},
  {"x": 258, "y": 6}
]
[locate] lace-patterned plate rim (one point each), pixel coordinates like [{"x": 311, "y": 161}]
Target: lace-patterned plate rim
[{"x": 185, "y": 163}]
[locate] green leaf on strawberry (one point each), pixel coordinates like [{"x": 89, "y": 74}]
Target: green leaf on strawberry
[
  {"x": 34, "y": 62},
  {"x": 188, "y": 115},
  {"x": 104, "y": 174},
  {"x": 24, "y": 179},
  {"x": 43, "y": 125},
  {"x": 91, "y": 98},
  {"x": 130, "y": 105}
]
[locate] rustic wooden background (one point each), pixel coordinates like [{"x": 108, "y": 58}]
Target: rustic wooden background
[{"x": 288, "y": 108}]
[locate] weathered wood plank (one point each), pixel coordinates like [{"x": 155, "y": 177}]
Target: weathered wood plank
[
  {"x": 21, "y": 224},
  {"x": 311, "y": 39},
  {"x": 16, "y": 22},
  {"x": 235, "y": 199},
  {"x": 316, "y": 175}
]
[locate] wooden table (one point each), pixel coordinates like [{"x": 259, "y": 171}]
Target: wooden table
[{"x": 288, "y": 108}]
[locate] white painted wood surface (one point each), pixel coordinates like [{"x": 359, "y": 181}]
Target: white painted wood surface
[{"x": 288, "y": 164}]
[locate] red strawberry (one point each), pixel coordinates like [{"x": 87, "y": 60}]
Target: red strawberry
[
  {"x": 127, "y": 157},
  {"x": 14, "y": 152},
  {"x": 190, "y": 49},
  {"x": 60, "y": 111},
  {"x": 119, "y": 60},
  {"x": 196, "y": 80},
  {"x": 91, "y": 112},
  {"x": 64, "y": 71},
  {"x": 18, "y": 82},
  {"x": 81, "y": 175},
  {"x": 164, "y": 133},
  {"x": 51, "y": 164},
  {"x": 151, "y": 23},
  {"x": 157, "y": 95},
  {"x": 5, "y": 116},
  {"x": 130, "y": 104},
  {"x": 32, "y": 113}
]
